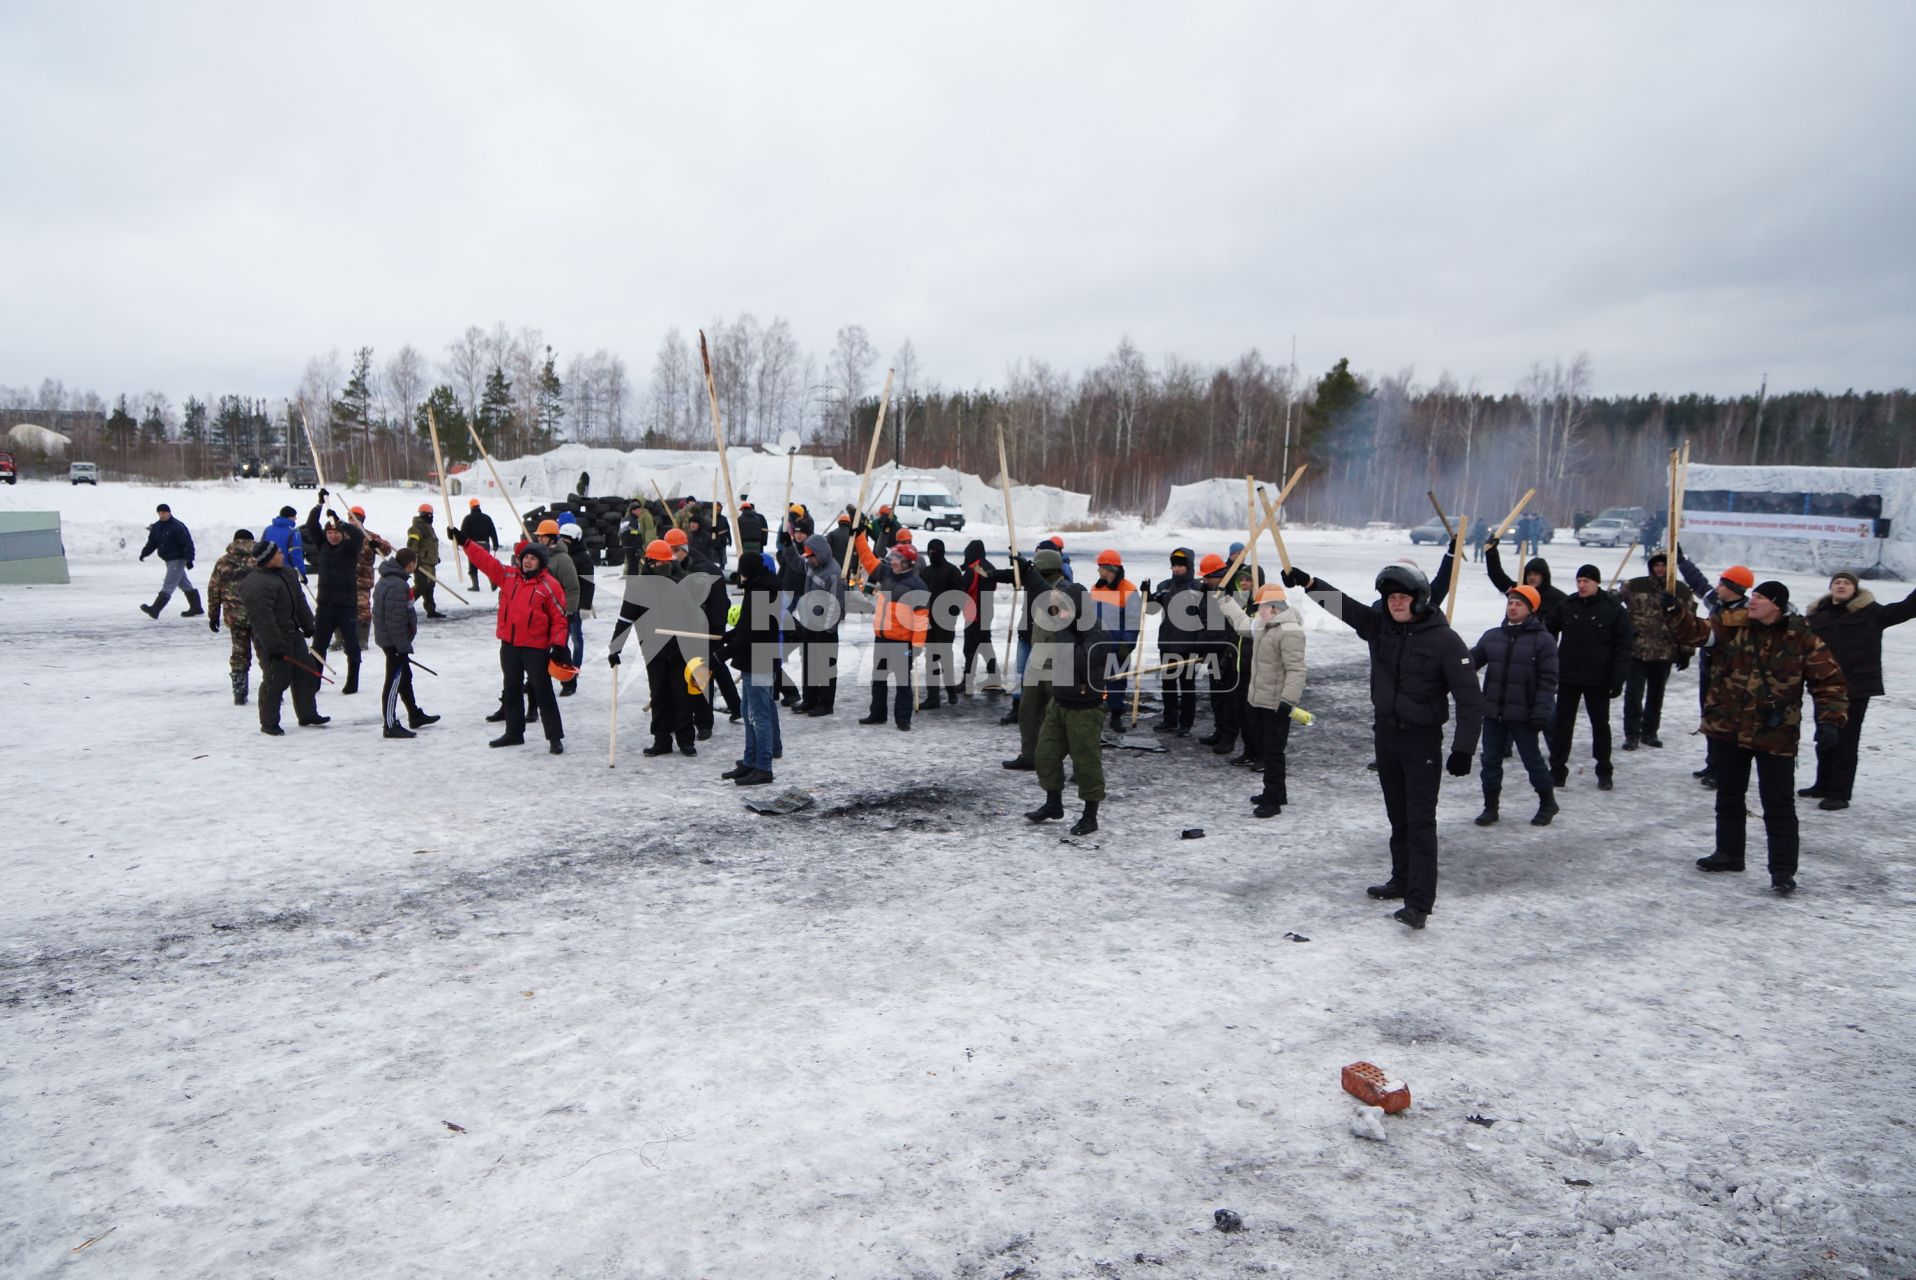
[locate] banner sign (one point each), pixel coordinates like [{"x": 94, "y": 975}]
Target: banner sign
[{"x": 1764, "y": 524}]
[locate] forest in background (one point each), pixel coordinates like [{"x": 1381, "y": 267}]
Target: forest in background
[{"x": 1125, "y": 430}]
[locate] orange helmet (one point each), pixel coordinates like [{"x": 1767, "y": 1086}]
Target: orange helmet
[
  {"x": 1111, "y": 558},
  {"x": 1213, "y": 563},
  {"x": 425, "y": 509},
  {"x": 1057, "y": 541},
  {"x": 1271, "y": 593},
  {"x": 675, "y": 537},
  {"x": 358, "y": 511},
  {"x": 1531, "y": 596},
  {"x": 562, "y": 670},
  {"x": 545, "y": 527},
  {"x": 659, "y": 549},
  {"x": 904, "y": 535},
  {"x": 1741, "y": 576},
  {"x": 884, "y": 509}
]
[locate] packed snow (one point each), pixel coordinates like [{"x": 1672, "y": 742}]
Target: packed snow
[{"x": 333, "y": 1005}]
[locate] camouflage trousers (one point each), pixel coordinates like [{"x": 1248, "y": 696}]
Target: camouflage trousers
[{"x": 242, "y": 659}]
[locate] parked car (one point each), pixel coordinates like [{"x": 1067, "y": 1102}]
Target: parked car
[
  {"x": 1431, "y": 531},
  {"x": 7, "y": 471},
  {"x": 302, "y": 478},
  {"x": 924, "y": 503},
  {"x": 1607, "y": 531},
  {"x": 84, "y": 473},
  {"x": 250, "y": 469}
]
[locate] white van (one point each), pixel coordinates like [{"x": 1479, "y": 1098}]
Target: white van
[
  {"x": 925, "y": 503},
  {"x": 84, "y": 473}
]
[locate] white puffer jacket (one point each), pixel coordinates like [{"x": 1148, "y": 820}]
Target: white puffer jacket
[{"x": 1277, "y": 655}]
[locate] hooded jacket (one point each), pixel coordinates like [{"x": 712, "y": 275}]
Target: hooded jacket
[
  {"x": 560, "y": 566},
  {"x": 1070, "y": 653},
  {"x": 753, "y": 645},
  {"x": 1519, "y": 662},
  {"x": 222, "y": 589},
  {"x": 946, "y": 585},
  {"x": 1181, "y": 600},
  {"x": 1758, "y": 675},
  {"x": 900, "y": 600},
  {"x": 1854, "y": 634},
  {"x": 581, "y": 557},
  {"x": 283, "y": 532},
  {"x": 1416, "y": 668},
  {"x": 1552, "y": 597},
  {"x": 824, "y": 579},
  {"x": 1276, "y": 672},
  {"x": 980, "y": 583},
  {"x": 421, "y": 537},
  {"x": 394, "y": 624},
  {"x": 170, "y": 540},
  {"x": 1594, "y": 644},
  {"x": 531, "y": 606}
]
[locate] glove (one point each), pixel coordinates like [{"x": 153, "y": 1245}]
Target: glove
[
  {"x": 213, "y": 623},
  {"x": 558, "y": 653},
  {"x": 1616, "y": 691},
  {"x": 1667, "y": 601},
  {"x": 1284, "y": 709},
  {"x": 1145, "y": 587},
  {"x": 189, "y": 564},
  {"x": 866, "y": 587},
  {"x": 1683, "y": 662},
  {"x": 612, "y": 659},
  {"x": 1296, "y": 577},
  {"x": 1540, "y": 725},
  {"x": 1826, "y": 734},
  {"x": 144, "y": 555},
  {"x": 458, "y": 538},
  {"x": 322, "y": 500},
  {"x": 1459, "y": 764}
]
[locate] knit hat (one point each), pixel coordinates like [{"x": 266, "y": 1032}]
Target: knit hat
[
  {"x": 1270, "y": 593},
  {"x": 265, "y": 551},
  {"x": 1591, "y": 572},
  {"x": 1848, "y": 577},
  {"x": 1658, "y": 557},
  {"x": 163, "y": 507},
  {"x": 1775, "y": 592},
  {"x": 289, "y": 513},
  {"x": 1529, "y": 595},
  {"x": 1740, "y": 576},
  {"x": 1234, "y": 548},
  {"x": 1048, "y": 562},
  {"x": 242, "y": 535},
  {"x": 472, "y": 502}
]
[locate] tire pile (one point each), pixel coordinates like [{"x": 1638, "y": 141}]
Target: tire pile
[{"x": 598, "y": 517}]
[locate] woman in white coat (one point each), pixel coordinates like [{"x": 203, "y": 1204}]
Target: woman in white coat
[{"x": 1276, "y": 676}]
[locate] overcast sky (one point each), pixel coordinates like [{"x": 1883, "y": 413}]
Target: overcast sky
[{"x": 201, "y": 197}]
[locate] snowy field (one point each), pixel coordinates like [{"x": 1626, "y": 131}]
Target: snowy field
[{"x": 328, "y": 1005}]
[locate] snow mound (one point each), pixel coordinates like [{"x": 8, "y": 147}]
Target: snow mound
[{"x": 1209, "y": 504}]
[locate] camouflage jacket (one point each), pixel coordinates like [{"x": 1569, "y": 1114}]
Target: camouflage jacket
[
  {"x": 372, "y": 547},
  {"x": 222, "y": 589},
  {"x": 1654, "y": 643},
  {"x": 421, "y": 538},
  {"x": 1758, "y": 675}
]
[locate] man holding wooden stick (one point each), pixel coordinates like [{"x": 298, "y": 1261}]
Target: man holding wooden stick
[{"x": 425, "y": 544}]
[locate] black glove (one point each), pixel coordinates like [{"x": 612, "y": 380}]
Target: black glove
[
  {"x": 189, "y": 564},
  {"x": 560, "y": 654},
  {"x": 1285, "y": 708},
  {"x": 1683, "y": 662},
  {"x": 213, "y": 623},
  {"x": 612, "y": 659},
  {"x": 1296, "y": 577},
  {"x": 1459, "y": 764},
  {"x": 322, "y": 500},
  {"x": 1540, "y": 725},
  {"x": 1145, "y": 586},
  {"x": 1827, "y": 734},
  {"x": 1616, "y": 691},
  {"x": 1667, "y": 601},
  {"x": 458, "y": 538},
  {"x": 144, "y": 555}
]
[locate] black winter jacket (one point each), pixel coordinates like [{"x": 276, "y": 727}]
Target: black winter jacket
[
  {"x": 478, "y": 527},
  {"x": 336, "y": 567},
  {"x": 753, "y": 530},
  {"x": 1595, "y": 641},
  {"x": 979, "y": 581},
  {"x": 753, "y": 645},
  {"x": 1416, "y": 667},
  {"x": 1552, "y": 598},
  {"x": 946, "y": 582},
  {"x": 581, "y": 557},
  {"x": 1520, "y": 672},
  {"x": 276, "y": 610},
  {"x": 170, "y": 540},
  {"x": 1854, "y": 634},
  {"x": 1182, "y": 602}
]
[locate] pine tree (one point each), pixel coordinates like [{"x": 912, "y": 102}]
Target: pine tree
[
  {"x": 496, "y": 421},
  {"x": 446, "y": 410},
  {"x": 551, "y": 402},
  {"x": 153, "y": 426},
  {"x": 122, "y": 429},
  {"x": 193, "y": 420},
  {"x": 353, "y": 411}
]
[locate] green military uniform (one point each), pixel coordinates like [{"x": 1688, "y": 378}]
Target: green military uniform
[
  {"x": 425, "y": 543},
  {"x": 1064, "y": 678},
  {"x": 223, "y": 602}
]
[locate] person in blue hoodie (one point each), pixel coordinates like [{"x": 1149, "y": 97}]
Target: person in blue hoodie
[
  {"x": 755, "y": 645},
  {"x": 283, "y": 532}
]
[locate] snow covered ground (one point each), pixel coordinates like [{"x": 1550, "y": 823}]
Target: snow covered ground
[{"x": 248, "y": 987}]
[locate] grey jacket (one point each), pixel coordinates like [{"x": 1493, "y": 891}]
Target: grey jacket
[
  {"x": 1277, "y": 655},
  {"x": 824, "y": 575},
  {"x": 394, "y": 623},
  {"x": 561, "y": 566}
]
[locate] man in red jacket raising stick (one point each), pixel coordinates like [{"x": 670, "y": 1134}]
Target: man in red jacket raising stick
[{"x": 532, "y": 632}]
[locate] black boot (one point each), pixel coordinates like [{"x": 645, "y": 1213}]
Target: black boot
[
  {"x": 1649, "y": 737},
  {"x": 1018, "y": 762},
  {"x": 153, "y": 610},
  {"x": 508, "y": 740},
  {"x": 1088, "y": 823},
  {"x": 659, "y": 747},
  {"x": 1546, "y": 807},
  {"x": 1053, "y": 807},
  {"x": 497, "y": 717},
  {"x": 930, "y": 703},
  {"x": 568, "y": 687},
  {"x": 1117, "y": 720},
  {"x": 951, "y": 694},
  {"x": 193, "y": 609},
  {"x": 1719, "y": 862},
  {"x": 239, "y": 688},
  {"x": 1392, "y": 888},
  {"x": 417, "y": 719},
  {"x": 1630, "y": 742},
  {"x": 352, "y": 672},
  {"x": 1410, "y": 916},
  {"x": 1488, "y": 818},
  {"x": 399, "y": 731}
]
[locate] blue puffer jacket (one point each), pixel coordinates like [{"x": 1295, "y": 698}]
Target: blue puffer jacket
[
  {"x": 1519, "y": 662},
  {"x": 283, "y": 533}
]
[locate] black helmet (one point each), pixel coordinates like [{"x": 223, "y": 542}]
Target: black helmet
[{"x": 1403, "y": 579}]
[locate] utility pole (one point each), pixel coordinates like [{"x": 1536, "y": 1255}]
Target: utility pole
[
  {"x": 1757, "y": 445},
  {"x": 1290, "y": 402}
]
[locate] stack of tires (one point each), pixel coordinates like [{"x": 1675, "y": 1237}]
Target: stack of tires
[{"x": 598, "y": 517}]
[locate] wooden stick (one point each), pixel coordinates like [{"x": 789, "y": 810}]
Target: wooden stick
[
  {"x": 718, "y": 435},
  {"x": 1251, "y": 523},
  {"x": 871, "y": 460},
  {"x": 1442, "y": 518},
  {"x": 1457, "y": 562},
  {"x": 1670, "y": 494},
  {"x": 499, "y": 484},
  {"x": 430, "y": 577},
  {"x": 1277, "y": 536},
  {"x": 1017, "y": 576},
  {"x": 1230, "y": 570},
  {"x": 1510, "y": 519},
  {"x": 1682, "y": 479},
  {"x": 689, "y": 635},
  {"x": 1627, "y": 553},
  {"x": 787, "y": 510},
  {"x": 445, "y": 494}
]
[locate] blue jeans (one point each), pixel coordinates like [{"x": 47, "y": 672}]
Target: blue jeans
[
  {"x": 1498, "y": 733},
  {"x": 761, "y": 721},
  {"x": 1024, "y": 656},
  {"x": 578, "y": 639}
]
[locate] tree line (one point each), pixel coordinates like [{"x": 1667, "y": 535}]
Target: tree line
[{"x": 1125, "y": 430}]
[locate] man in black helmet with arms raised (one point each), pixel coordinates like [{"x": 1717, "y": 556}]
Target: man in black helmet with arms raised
[{"x": 1417, "y": 665}]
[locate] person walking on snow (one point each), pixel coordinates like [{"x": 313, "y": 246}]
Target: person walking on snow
[
  {"x": 276, "y": 611},
  {"x": 283, "y": 532},
  {"x": 1763, "y": 659},
  {"x": 395, "y": 626},
  {"x": 223, "y": 604},
  {"x": 1418, "y": 668},
  {"x": 1070, "y": 661},
  {"x": 173, "y": 543},
  {"x": 532, "y": 635},
  {"x": 1519, "y": 664},
  {"x": 1851, "y": 621}
]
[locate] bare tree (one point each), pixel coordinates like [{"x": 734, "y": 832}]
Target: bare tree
[
  {"x": 672, "y": 388},
  {"x": 850, "y": 373},
  {"x": 734, "y": 350},
  {"x": 776, "y": 384},
  {"x": 466, "y": 367}
]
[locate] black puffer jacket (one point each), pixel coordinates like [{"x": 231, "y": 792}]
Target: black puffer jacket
[
  {"x": 170, "y": 540},
  {"x": 1595, "y": 643},
  {"x": 947, "y": 585},
  {"x": 581, "y": 557},
  {"x": 394, "y": 623},
  {"x": 754, "y": 644},
  {"x": 1181, "y": 600},
  {"x": 1552, "y": 598},
  {"x": 1854, "y": 633},
  {"x": 753, "y": 529},
  {"x": 276, "y": 610},
  {"x": 336, "y": 567},
  {"x": 704, "y": 573},
  {"x": 1416, "y": 667},
  {"x": 1519, "y": 662}
]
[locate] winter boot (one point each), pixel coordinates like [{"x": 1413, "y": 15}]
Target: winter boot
[
  {"x": 352, "y": 672},
  {"x": 1392, "y": 888},
  {"x": 153, "y": 610},
  {"x": 418, "y": 719},
  {"x": 193, "y": 609},
  {"x": 1019, "y": 763},
  {"x": 568, "y": 687},
  {"x": 1630, "y": 742},
  {"x": 753, "y": 778},
  {"x": 1488, "y": 818},
  {"x": 660, "y": 747},
  {"x": 1560, "y": 775},
  {"x": 1546, "y": 807},
  {"x": 1266, "y": 806},
  {"x": 399, "y": 731},
  {"x": 1649, "y": 738},
  {"x": 239, "y": 688},
  {"x": 951, "y": 695},
  {"x": 930, "y": 703},
  {"x": 1410, "y": 916},
  {"x": 1053, "y": 807},
  {"x": 1814, "y": 791},
  {"x": 1719, "y": 862},
  {"x": 735, "y": 772},
  {"x": 497, "y": 717},
  {"x": 1210, "y": 739},
  {"x": 1117, "y": 720},
  {"x": 508, "y": 740},
  {"x": 1088, "y": 823},
  {"x": 555, "y": 746}
]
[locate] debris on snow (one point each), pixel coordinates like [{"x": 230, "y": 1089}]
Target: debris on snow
[
  {"x": 1367, "y": 1083},
  {"x": 1368, "y": 1122},
  {"x": 1226, "y": 1221},
  {"x": 1485, "y": 1121}
]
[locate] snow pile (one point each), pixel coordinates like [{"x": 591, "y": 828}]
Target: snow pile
[
  {"x": 1209, "y": 504},
  {"x": 1897, "y": 486},
  {"x": 31, "y": 438}
]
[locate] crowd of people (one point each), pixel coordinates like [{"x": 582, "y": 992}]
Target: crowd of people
[{"x": 1764, "y": 669}]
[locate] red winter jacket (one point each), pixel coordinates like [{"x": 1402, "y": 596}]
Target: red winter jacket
[{"x": 531, "y": 610}]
